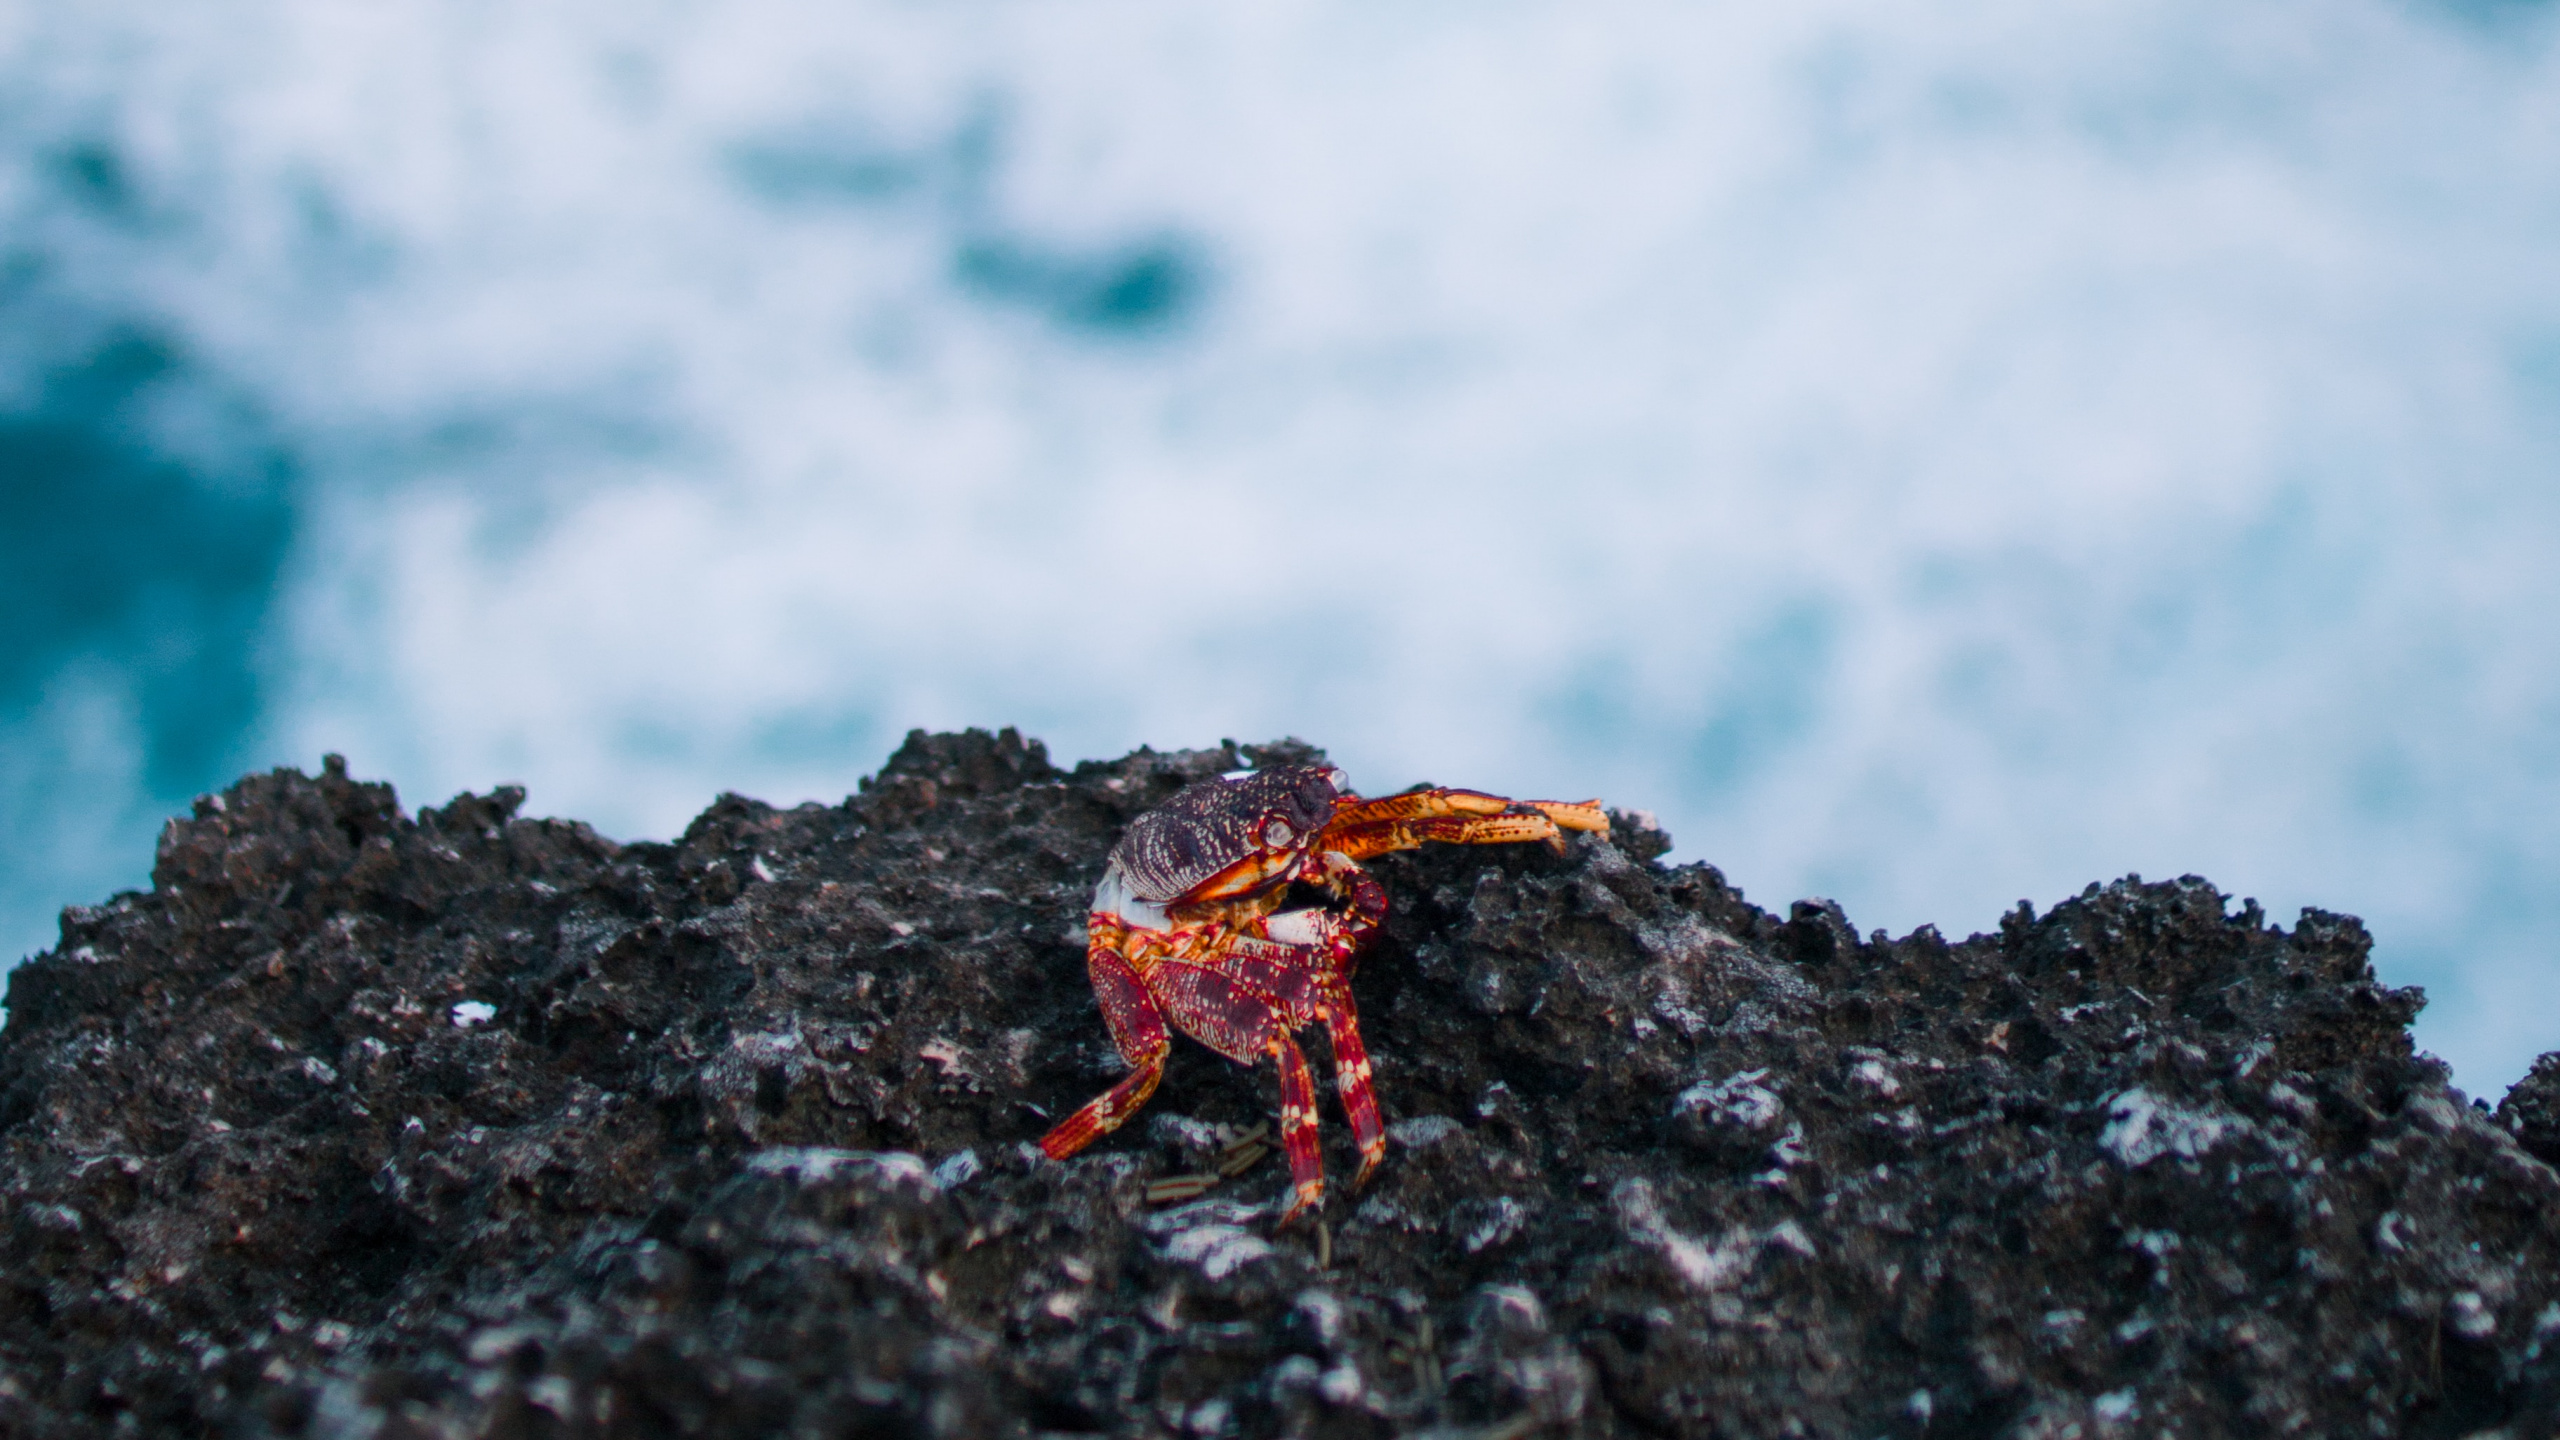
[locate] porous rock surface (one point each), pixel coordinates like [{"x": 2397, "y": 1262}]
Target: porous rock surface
[{"x": 471, "y": 1124}]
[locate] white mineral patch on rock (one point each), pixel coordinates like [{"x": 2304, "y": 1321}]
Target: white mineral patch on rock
[
  {"x": 1516, "y": 1305},
  {"x": 1505, "y": 1221},
  {"x": 1739, "y": 1100},
  {"x": 1324, "y": 1315},
  {"x": 1342, "y": 1384},
  {"x": 768, "y": 1044},
  {"x": 2291, "y": 1101},
  {"x": 1707, "y": 1266},
  {"x": 2142, "y": 1127},
  {"x": 2434, "y": 1113},
  {"x": 1422, "y": 1130},
  {"x": 956, "y": 1169},
  {"x": 811, "y": 1163},
  {"x": 1219, "y": 1250},
  {"x": 1210, "y": 1234},
  {"x": 1181, "y": 1130},
  {"x": 1788, "y": 1151}
]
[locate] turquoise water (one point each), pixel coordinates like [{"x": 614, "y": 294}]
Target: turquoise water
[
  {"x": 1929, "y": 460},
  {"x": 145, "y": 521}
]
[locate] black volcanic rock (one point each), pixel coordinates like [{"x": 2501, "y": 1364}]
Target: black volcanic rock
[
  {"x": 2532, "y": 1109},
  {"x": 364, "y": 1126}
]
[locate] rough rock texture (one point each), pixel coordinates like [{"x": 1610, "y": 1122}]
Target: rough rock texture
[{"x": 359, "y": 1125}]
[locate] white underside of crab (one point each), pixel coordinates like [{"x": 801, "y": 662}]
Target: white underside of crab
[
  {"x": 1307, "y": 926},
  {"x": 1114, "y": 897}
]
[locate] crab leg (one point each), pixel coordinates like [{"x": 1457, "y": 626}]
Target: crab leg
[
  {"x": 1137, "y": 1027},
  {"x": 1434, "y": 804},
  {"x": 1413, "y": 804},
  {"x": 1352, "y": 929},
  {"x": 1351, "y": 1081},
  {"x": 1311, "y": 983},
  {"x": 1298, "y": 1126},
  {"x": 1454, "y": 817},
  {"x": 1319, "y": 950},
  {"x": 1245, "y": 1008},
  {"x": 1360, "y": 842},
  {"x": 1266, "y": 983}
]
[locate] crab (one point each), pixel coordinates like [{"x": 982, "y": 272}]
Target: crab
[{"x": 1189, "y": 932}]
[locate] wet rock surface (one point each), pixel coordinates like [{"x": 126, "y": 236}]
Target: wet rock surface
[{"x": 470, "y": 1124}]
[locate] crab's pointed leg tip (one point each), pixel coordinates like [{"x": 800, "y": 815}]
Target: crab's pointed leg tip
[{"x": 1306, "y": 1200}]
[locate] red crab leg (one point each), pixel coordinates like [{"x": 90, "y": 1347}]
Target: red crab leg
[
  {"x": 1298, "y": 1126},
  {"x": 1257, "y": 970},
  {"x": 1228, "y": 1005},
  {"x": 1325, "y": 969},
  {"x": 1325, "y": 966},
  {"x": 1351, "y": 1079},
  {"x": 1137, "y": 1027},
  {"x": 1315, "y": 984},
  {"x": 1358, "y": 921}
]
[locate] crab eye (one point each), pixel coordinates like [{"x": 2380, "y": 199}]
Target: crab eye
[{"x": 1276, "y": 833}]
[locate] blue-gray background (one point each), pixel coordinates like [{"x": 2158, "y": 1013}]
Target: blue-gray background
[{"x": 1930, "y": 455}]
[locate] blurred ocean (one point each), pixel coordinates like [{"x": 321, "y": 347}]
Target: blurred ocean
[{"x": 1931, "y": 456}]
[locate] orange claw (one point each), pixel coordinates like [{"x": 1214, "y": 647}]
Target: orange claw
[
  {"x": 1363, "y": 828},
  {"x": 1583, "y": 815}
]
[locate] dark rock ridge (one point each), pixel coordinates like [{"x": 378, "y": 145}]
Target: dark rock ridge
[{"x": 359, "y": 1125}]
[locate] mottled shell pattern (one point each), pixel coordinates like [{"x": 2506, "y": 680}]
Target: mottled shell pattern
[{"x": 1212, "y": 825}]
